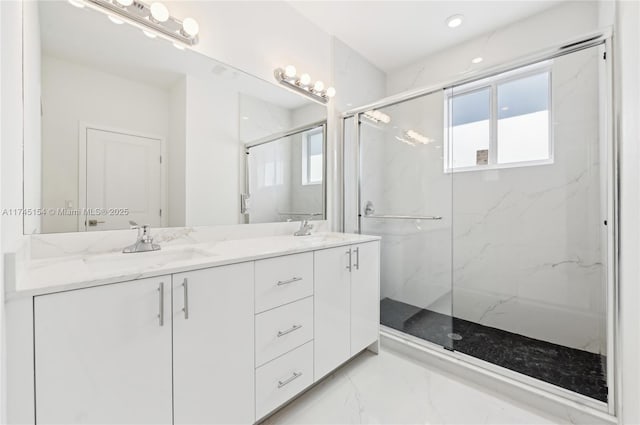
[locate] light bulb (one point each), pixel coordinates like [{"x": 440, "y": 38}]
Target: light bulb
[
  {"x": 318, "y": 86},
  {"x": 149, "y": 34},
  {"x": 477, "y": 60},
  {"x": 115, "y": 20},
  {"x": 454, "y": 21},
  {"x": 305, "y": 79},
  {"x": 124, "y": 3},
  {"x": 190, "y": 27},
  {"x": 159, "y": 12},
  {"x": 77, "y": 3},
  {"x": 290, "y": 71},
  {"x": 331, "y": 92}
]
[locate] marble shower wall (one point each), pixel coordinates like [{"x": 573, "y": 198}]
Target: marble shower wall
[{"x": 528, "y": 247}]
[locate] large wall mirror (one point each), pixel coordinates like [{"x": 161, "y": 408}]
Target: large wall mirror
[{"x": 121, "y": 127}]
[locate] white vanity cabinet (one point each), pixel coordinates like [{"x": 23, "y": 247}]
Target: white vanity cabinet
[
  {"x": 213, "y": 339},
  {"x": 103, "y": 354},
  {"x": 347, "y": 302},
  {"x": 227, "y": 343}
]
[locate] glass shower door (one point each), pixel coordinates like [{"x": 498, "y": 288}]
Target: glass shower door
[{"x": 405, "y": 197}]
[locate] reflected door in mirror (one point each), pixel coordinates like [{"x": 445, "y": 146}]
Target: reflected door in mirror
[{"x": 123, "y": 180}]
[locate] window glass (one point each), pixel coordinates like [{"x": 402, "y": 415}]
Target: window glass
[
  {"x": 470, "y": 115},
  {"x": 523, "y": 119}
]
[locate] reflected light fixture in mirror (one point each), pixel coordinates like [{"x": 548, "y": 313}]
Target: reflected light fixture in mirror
[
  {"x": 153, "y": 19},
  {"x": 288, "y": 77}
]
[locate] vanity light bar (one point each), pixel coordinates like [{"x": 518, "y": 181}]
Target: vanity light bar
[
  {"x": 302, "y": 84},
  {"x": 154, "y": 16}
]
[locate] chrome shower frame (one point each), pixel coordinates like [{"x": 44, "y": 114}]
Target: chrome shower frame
[{"x": 602, "y": 37}]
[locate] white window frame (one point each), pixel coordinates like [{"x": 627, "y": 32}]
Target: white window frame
[
  {"x": 492, "y": 83},
  {"x": 306, "y": 169}
]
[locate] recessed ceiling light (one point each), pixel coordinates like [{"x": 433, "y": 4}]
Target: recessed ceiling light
[
  {"x": 454, "y": 21},
  {"x": 477, "y": 60}
]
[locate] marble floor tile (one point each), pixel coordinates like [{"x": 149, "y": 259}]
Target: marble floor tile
[{"x": 391, "y": 389}]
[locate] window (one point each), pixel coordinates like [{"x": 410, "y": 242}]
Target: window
[
  {"x": 503, "y": 121},
  {"x": 312, "y": 160}
]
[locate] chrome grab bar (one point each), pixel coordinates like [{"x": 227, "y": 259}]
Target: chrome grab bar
[
  {"x": 405, "y": 217},
  {"x": 288, "y": 331},
  {"x": 286, "y": 282},
  {"x": 295, "y": 375}
]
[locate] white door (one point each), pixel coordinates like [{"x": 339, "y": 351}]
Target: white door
[
  {"x": 122, "y": 172},
  {"x": 331, "y": 304},
  {"x": 213, "y": 340},
  {"x": 365, "y": 296},
  {"x": 102, "y": 355}
]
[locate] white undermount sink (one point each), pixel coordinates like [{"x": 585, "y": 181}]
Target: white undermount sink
[{"x": 121, "y": 261}]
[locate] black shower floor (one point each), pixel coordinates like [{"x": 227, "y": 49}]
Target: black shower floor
[{"x": 576, "y": 370}]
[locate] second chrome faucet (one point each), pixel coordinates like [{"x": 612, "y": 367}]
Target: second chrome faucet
[{"x": 144, "y": 243}]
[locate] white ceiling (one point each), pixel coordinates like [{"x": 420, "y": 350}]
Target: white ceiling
[{"x": 392, "y": 34}]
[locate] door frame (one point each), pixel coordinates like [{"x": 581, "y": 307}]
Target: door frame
[{"x": 83, "y": 127}]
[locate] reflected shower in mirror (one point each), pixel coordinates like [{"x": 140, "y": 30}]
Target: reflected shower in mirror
[
  {"x": 120, "y": 126},
  {"x": 285, "y": 176}
]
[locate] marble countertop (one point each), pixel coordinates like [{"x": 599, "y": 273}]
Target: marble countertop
[{"x": 48, "y": 275}]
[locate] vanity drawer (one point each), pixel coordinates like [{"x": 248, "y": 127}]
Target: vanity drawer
[
  {"x": 282, "y": 280},
  {"x": 282, "y": 329},
  {"x": 282, "y": 379}
]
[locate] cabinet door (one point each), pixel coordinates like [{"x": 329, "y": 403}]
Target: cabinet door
[
  {"x": 102, "y": 355},
  {"x": 213, "y": 363},
  {"x": 331, "y": 315},
  {"x": 365, "y": 296}
]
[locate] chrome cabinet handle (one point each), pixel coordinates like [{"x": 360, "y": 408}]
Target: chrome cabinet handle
[
  {"x": 293, "y": 377},
  {"x": 286, "y": 282},
  {"x": 288, "y": 331},
  {"x": 161, "y": 304},
  {"x": 357, "y": 264},
  {"x": 349, "y": 264},
  {"x": 185, "y": 285}
]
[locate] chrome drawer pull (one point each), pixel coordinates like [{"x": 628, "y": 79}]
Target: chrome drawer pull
[
  {"x": 286, "y": 282},
  {"x": 185, "y": 285},
  {"x": 161, "y": 304},
  {"x": 288, "y": 331},
  {"x": 349, "y": 263},
  {"x": 295, "y": 376}
]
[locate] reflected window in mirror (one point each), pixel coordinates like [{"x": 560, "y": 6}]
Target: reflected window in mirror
[{"x": 312, "y": 163}]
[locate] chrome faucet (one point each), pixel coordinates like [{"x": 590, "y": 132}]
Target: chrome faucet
[
  {"x": 144, "y": 242},
  {"x": 305, "y": 228}
]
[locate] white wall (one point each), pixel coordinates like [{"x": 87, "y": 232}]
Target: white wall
[
  {"x": 12, "y": 107},
  {"x": 212, "y": 152},
  {"x": 32, "y": 119},
  {"x": 3, "y": 346},
  {"x": 73, "y": 93},
  {"x": 627, "y": 61}
]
